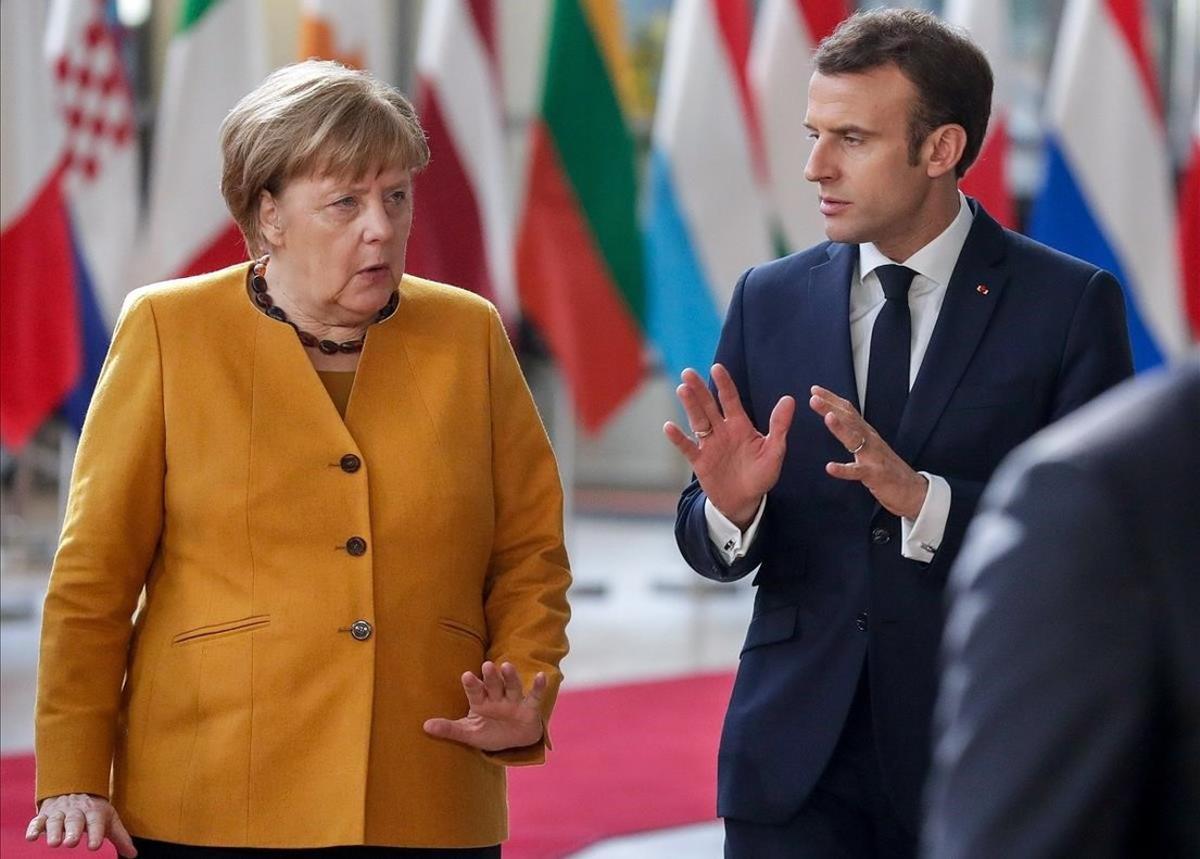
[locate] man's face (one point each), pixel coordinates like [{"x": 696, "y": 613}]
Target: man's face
[{"x": 869, "y": 191}]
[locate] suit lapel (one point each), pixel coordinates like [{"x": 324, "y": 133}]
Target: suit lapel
[
  {"x": 964, "y": 317},
  {"x": 826, "y": 330}
]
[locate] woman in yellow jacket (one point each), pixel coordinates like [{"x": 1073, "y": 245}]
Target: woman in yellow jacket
[{"x": 312, "y": 505}]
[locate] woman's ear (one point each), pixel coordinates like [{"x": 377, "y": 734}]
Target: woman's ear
[{"x": 270, "y": 218}]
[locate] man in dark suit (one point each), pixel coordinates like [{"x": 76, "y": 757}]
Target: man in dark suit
[
  {"x": 1069, "y": 715},
  {"x": 853, "y": 517}
]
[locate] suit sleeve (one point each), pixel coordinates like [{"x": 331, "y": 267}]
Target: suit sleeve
[
  {"x": 113, "y": 521},
  {"x": 691, "y": 526},
  {"x": 526, "y": 595},
  {"x": 1046, "y": 683},
  {"x": 1095, "y": 357}
]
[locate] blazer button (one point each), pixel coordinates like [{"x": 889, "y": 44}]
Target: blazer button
[
  {"x": 360, "y": 630},
  {"x": 861, "y": 622},
  {"x": 350, "y": 463},
  {"x": 880, "y": 536},
  {"x": 356, "y": 546}
]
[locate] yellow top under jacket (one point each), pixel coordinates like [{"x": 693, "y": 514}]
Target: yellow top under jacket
[{"x": 218, "y": 493}]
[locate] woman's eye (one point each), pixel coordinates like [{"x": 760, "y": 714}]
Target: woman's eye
[
  {"x": 345, "y": 203},
  {"x": 399, "y": 196}
]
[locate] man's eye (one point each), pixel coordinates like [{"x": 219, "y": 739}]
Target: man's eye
[
  {"x": 812, "y": 135},
  {"x": 852, "y": 140}
]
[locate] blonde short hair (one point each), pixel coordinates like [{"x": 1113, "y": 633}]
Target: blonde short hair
[{"x": 312, "y": 118}]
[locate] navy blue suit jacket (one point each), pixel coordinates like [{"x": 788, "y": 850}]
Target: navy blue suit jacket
[{"x": 1046, "y": 336}]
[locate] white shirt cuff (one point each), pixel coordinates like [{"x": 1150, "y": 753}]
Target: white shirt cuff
[
  {"x": 921, "y": 538},
  {"x": 729, "y": 539}
]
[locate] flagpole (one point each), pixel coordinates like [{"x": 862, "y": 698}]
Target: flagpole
[
  {"x": 566, "y": 438},
  {"x": 1185, "y": 71},
  {"x": 68, "y": 442}
]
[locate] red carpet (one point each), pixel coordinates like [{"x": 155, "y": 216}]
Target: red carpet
[{"x": 627, "y": 758}]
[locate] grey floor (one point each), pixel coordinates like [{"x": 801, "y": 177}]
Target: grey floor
[{"x": 638, "y": 613}]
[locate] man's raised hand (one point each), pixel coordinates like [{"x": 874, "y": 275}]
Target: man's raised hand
[{"x": 735, "y": 463}]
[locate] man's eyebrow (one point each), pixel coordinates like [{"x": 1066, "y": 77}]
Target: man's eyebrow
[{"x": 846, "y": 129}]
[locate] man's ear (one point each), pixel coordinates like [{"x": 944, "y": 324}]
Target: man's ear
[
  {"x": 944, "y": 148},
  {"x": 270, "y": 218}
]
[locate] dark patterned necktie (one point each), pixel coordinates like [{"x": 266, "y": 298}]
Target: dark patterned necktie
[{"x": 887, "y": 374}]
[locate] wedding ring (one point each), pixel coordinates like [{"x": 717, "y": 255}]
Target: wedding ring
[
  {"x": 861, "y": 445},
  {"x": 702, "y": 433}
]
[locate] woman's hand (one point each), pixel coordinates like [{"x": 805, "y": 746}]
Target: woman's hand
[
  {"x": 66, "y": 818},
  {"x": 501, "y": 716}
]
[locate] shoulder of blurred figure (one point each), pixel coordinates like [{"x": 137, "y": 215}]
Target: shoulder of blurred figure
[{"x": 1148, "y": 421}]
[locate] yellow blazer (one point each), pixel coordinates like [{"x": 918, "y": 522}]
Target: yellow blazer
[{"x": 213, "y": 482}]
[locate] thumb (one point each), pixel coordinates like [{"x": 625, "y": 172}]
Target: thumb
[
  {"x": 537, "y": 691},
  {"x": 781, "y": 419}
]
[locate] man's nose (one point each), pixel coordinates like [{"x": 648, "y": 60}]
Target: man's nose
[{"x": 820, "y": 165}]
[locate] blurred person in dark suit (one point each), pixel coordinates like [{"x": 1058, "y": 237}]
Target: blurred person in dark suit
[
  {"x": 928, "y": 342},
  {"x": 1069, "y": 715}
]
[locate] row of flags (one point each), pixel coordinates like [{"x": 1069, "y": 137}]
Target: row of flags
[{"x": 610, "y": 263}]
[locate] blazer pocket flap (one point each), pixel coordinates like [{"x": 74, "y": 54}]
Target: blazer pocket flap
[
  {"x": 989, "y": 396},
  {"x": 244, "y": 624},
  {"x": 774, "y": 625},
  {"x": 462, "y": 629}
]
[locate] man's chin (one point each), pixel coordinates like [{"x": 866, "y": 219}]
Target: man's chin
[{"x": 839, "y": 231}]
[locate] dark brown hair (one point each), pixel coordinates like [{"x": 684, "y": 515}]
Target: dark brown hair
[{"x": 950, "y": 73}]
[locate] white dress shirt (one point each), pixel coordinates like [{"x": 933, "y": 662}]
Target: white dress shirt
[{"x": 933, "y": 264}]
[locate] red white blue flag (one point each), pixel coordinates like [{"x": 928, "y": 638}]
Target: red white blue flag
[{"x": 1109, "y": 195}]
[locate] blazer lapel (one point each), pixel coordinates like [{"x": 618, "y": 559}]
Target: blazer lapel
[
  {"x": 975, "y": 289},
  {"x": 826, "y": 329}
]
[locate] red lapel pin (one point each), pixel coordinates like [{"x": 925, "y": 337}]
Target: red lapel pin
[{"x": 982, "y": 289}]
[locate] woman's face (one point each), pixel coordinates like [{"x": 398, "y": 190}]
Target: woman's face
[{"x": 338, "y": 243}]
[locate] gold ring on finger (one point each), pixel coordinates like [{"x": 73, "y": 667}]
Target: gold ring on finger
[{"x": 856, "y": 450}]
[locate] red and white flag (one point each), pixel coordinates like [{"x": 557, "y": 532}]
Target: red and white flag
[
  {"x": 40, "y": 352},
  {"x": 463, "y": 229},
  {"x": 101, "y": 175},
  {"x": 785, "y": 35},
  {"x": 986, "y": 181},
  {"x": 102, "y": 162}
]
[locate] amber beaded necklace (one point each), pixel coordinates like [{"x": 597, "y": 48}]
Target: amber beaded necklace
[{"x": 257, "y": 283}]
